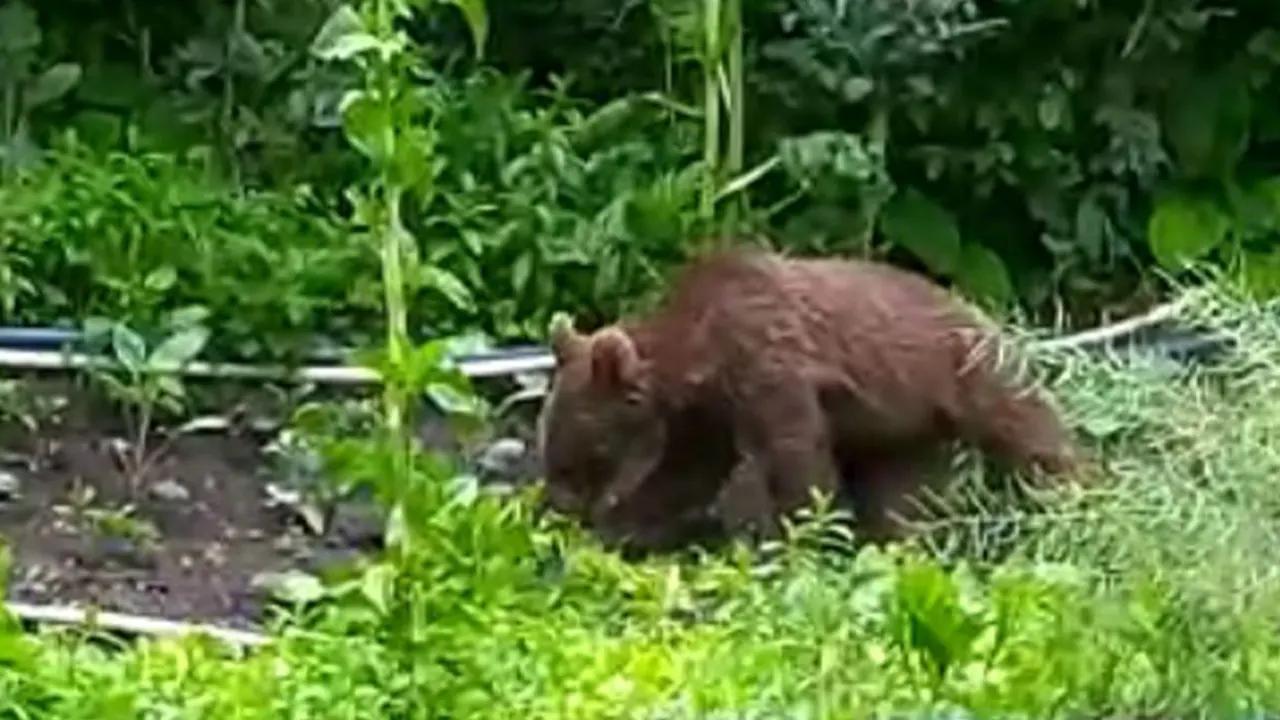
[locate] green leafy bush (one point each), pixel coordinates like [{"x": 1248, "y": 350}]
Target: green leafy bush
[
  {"x": 138, "y": 238},
  {"x": 537, "y": 205},
  {"x": 1046, "y": 132},
  {"x": 543, "y": 204}
]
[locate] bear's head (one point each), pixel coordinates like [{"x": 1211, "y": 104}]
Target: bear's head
[{"x": 601, "y": 432}]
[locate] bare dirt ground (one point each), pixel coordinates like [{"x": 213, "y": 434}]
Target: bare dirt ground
[{"x": 192, "y": 540}]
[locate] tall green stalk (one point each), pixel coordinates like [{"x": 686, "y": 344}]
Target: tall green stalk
[
  {"x": 711, "y": 106},
  {"x": 395, "y": 397},
  {"x": 724, "y": 112},
  {"x": 736, "y": 100},
  {"x": 228, "y": 115},
  {"x": 380, "y": 120},
  {"x": 391, "y": 247}
]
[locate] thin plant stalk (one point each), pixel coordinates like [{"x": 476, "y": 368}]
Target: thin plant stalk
[
  {"x": 392, "y": 232},
  {"x": 394, "y": 396},
  {"x": 737, "y": 110},
  {"x": 711, "y": 105},
  {"x": 736, "y": 100}
]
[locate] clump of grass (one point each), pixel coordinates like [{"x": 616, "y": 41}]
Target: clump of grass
[{"x": 1153, "y": 593}]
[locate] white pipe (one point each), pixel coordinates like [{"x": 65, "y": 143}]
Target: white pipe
[
  {"x": 1156, "y": 315},
  {"x": 336, "y": 375},
  {"x": 478, "y": 367},
  {"x": 133, "y": 624}
]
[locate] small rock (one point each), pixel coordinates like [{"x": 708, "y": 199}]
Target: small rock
[
  {"x": 290, "y": 585},
  {"x": 170, "y": 491},
  {"x": 10, "y": 486},
  {"x": 503, "y": 457}
]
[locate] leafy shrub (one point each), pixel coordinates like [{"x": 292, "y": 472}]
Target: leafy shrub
[
  {"x": 544, "y": 204},
  {"x": 538, "y": 206},
  {"x": 137, "y": 238},
  {"x": 1041, "y": 133}
]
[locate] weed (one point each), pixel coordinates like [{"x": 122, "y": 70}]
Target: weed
[{"x": 38, "y": 414}]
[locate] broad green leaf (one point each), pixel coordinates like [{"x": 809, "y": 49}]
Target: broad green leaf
[
  {"x": 411, "y": 167},
  {"x": 1051, "y": 109},
  {"x": 349, "y": 46},
  {"x": 179, "y": 348},
  {"x": 51, "y": 85},
  {"x": 924, "y": 228},
  {"x": 983, "y": 274},
  {"x": 397, "y": 533},
  {"x": 856, "y": 88},
  {"x": 171, "y": 390},
  {"x": 606, "y": 121},
  {"x": 464, "y": 490},
  {"x": 521, "y": 272},
  {"x": 448, "y": 285},
  {"x": 1184, "y": 228},
  {"x": 477, "y": 17},
  {"x": 118, "y": 390},
  {"x": 368, "y": 127},
  {"x": 161, "y": 279},
  {"x": 97, "y": 329},
  {"x": 129, "y": 348},
  {"x": 454, "y": 401},
  {"x": 336, "y": 35},
  {"x": 189, "y": 315},
  {"x": 19, "y": 28},
  {"x": 930, "y": 617},
  {"x": 378, "y": 586}
]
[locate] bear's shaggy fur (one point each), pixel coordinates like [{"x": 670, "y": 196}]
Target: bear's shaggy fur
[{"x": 762, "y": 377}]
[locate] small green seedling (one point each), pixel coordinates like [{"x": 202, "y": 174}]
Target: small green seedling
[{"x": 145, "y": 381}]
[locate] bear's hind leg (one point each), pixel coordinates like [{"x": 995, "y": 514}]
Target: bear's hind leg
[{"x": 885, "y": 491}]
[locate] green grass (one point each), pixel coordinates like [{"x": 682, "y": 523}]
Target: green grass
[{"x": 1155, "y": 593}]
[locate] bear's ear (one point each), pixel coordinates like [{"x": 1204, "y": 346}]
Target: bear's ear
[
  {"x": 565, "y": 341},
  {"x": 615, "y": 365}
]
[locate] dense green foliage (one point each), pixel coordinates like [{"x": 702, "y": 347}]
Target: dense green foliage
[
  {"x": 1155, "y": 596},
  {"x": 1030, "y": 151}
]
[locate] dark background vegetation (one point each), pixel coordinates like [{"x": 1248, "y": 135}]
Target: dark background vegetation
[{"x": 1035, "y": 154}]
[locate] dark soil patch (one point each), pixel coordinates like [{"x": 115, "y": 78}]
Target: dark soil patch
[{"x": 81, "y": 534}]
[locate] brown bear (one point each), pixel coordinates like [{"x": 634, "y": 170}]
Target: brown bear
[{"x": 766, "y": 377}]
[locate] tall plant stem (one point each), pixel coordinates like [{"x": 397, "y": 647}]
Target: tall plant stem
[
  {"x": 736, "y": 102},
  {"x": 711, "y": 106},
  {"x": 397, "y": 314}
]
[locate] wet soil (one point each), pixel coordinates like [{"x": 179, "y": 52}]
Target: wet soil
[{"x": 191, "y": 539}]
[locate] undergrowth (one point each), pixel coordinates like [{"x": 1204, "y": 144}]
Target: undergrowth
[{"x": 1152, "y": 593}]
